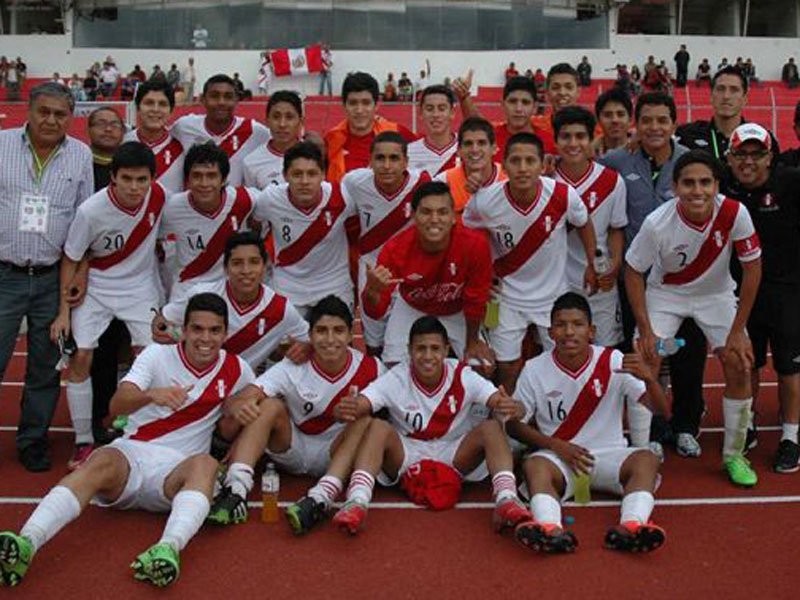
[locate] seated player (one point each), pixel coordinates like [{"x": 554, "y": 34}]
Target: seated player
[
  {"x": 116, "y": 230},
  {"x": 288, "y": 412},
  {"x": 574, "y": 399},
  {"x": 527, "y": 220},
  {"x": 260, "y": 321},
  {"x": 436, "y": 150},
  {"x": 173, "y": 397},
  {"x": 430, "y": 400},
  {"x": 686, "y": 245}
]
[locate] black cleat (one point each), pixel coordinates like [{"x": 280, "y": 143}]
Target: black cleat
[
  {"x": 787, "y": 459},
  {"x": 635, "y": 537},
  {"x": 550, "y": 539},
  {"x": 227, "y": 509},
  {"x": 304, "y": 514}
]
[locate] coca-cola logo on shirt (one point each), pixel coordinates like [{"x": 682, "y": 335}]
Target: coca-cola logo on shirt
[{"x": 437, "y": 293}]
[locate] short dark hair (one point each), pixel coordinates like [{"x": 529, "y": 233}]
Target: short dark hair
[
  {"x": 218, "y": 78},
  {"x": 730, "y": 70},
  {"x": 476, "y": 124},
  {"x": 425, "y": 325},
  {"x": 571, "y": 300},
  {"x": 244, "y": 238},
  {"x": 430, "y": 188},
  {"x": 519, "y": 83},
  {"x": 360, "y": 82},
  {"x": 206, "y": 302},
  {"x": 444, "y": 90},
  {"x": 154, "y": 86},
  {"x": 304, "y": 149},
  {"x": 524, "y": 137},
  {"x": 615, "y": 94},
  {"x": 561, "y": 69},
  {"x": 104, "y": 108},
  {"x": 574, "y": 115},
  {"x": 287, "y": 96},
  {"x": 656, "y": 99},
  {"x": 330, "y": 306},
  {"x": 695, "y": 156},
  {"x": 132, "y": 155},
  {"x": 52, "y": 89},
  {"x": 207, "y": 153},
  {"x": 389, "y": 137}
]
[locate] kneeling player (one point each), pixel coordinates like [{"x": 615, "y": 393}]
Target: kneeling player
[
  {"x": 173, "y": 397},
  {"x": 289, "y": 411},
  {"x": 574, "y": 398},
  {"x": 430, "y": 400}
]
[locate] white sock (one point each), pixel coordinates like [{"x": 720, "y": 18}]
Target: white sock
[
  {"x": 736, "y": 417},
  {"x": 189, "y": 510},
  {"x": 361, "y": 486},
  {"x": 639, "y": 419},
  {"x": 637, "y": 506},
  {"x": 789, "y": 432},
  {"x": 59, "y": 507},
  {"x": 546, "y": 509},
  {"x": 504, "y": 486},
  {"x": 327, "y": 490},
  {"x": 79, "y": 400},
  {"x": 240, "y": 479}
]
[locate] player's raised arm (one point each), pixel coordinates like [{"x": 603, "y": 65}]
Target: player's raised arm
[{"x": 461, "y": 86}]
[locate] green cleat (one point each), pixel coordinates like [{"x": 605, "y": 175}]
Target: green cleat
[
  {"x": 227, "y": 509},
  {"x": 159, "y": 565},
  {"x": 16, "y": 553},
  {"x": 739, "y": 471},
  {"x": 305, "y": 514}
]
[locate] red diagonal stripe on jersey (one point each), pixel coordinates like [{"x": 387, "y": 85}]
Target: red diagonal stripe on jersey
[
  {"x": 315, "y": 232},
  {"x": 392, "y": 223},
  {"x": 237, "y": 138},
  {"x": 588, "y": 398},
  {"x": 536, "y": 235},
  {"x": 602, "y": 187},
  {"x": 167, "y": 156},
  {"x": 443, "y": 416},
  {"x": 248, "y": 335},
  {"x": 208, "y": 400},
  {"x": 366, "y": 373},
  {"x": 142, "y": 229},
  {"x": 242, "y": 205},
  {"x": 712, "y": 247}
]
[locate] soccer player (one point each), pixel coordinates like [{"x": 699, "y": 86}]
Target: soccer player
[
  {"x": 348, "y": 143},
  {"x": 264, "y": 165},
  {"x": 116, "y": 228},
  {"x": 574, "y": 399},
  {"x": 289, "y": 412},
  {"x": 430, "y": 399},
  {"x": 437, "y": 267},
  {"x": 686, "y": 245},
  {"x": 201, "y": 219},
  {"x": 613, "y": 109},
  {"x": 173, "y": 396},
  {"x": 382, "y": 196},
  {"x": 155, "y": 102},
  {"x": 237, "y": 136},
  {"x": 476, "y": 147},
  {"x": 436, "y": 150},
  {"x": 562, "y": 90},
  {"x": 527, "y": 219},
  {"x": 307, "y": 217}
]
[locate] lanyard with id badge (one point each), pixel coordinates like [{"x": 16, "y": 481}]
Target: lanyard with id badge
[{"x": 34, "y": 213}]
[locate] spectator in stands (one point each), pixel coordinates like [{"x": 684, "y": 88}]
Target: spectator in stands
[
  {"x": 241, "y": 92},
  {"x": 540, "y": 81},
  {"x": 76, "y": 88},
  {"x": 681, "y": 66},
  {"x": 790, "y": 75},
  {"x": 127, "y": 88},
  {"x": 389, "y": 88},
  {"x": 95, "y": 69},
  {"x": 624, "y": 79},
  {"x": 739, "y": 64},
  {"x": 325, "y": 75},
  {"x": 665, "y": 78},
  {"x": 90, "y": 86},
  {"x": 109, "y": 78},
  {"x": 424, "y": 78},
  {"x": 792, "y": 157},
  {"x": 4, "y": 63},
  {"x": 22, "y": 71},
  {"x": 722, "y": 64},
  {"x": 405, "y": 87},
  {"x": 511, "y": 71},
  {"x": 584, "y": 72},
  {"x": 529, "y": 74},
  {"x": 749, "y": 70},
  {"x": 158, "y": 75},
  {"x": 703, "y": 72},
  {"x": 12, "y": 82},
  {"x": 200, "y": 37},
  {"x": 174, "y": 77},
  {"x": 264, "y": 74},
  {"x": 45, "y": 172},
  {"x": 56, "y": 78},
  {"x": 636, "y": 79},
  {"x": 138, "y": 74},
  {"x": 189, "y": 79}
]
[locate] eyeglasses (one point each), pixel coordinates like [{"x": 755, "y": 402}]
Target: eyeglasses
[
  {"x": 107, "y": 125},
  {"x": 757, "y": 155}
]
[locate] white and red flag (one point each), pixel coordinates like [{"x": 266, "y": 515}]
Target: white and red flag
[{"x": 296, "y": 61}]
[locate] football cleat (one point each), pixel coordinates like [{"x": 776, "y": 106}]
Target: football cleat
[
  {"x": 227, "y": 509},
  {"x": 80, "y": 456},
  {"x": 16, "y": 553},
  {"x": 509, "y": 513},
  {"x": 159, "y": 565},
  {"x": 633, "y": 536},
  {"x": 350, "y": 518},
  {"x": 304, "y": 514},
  {"x": 545, "y": 537},
  {"x": 739, "y": 471}
]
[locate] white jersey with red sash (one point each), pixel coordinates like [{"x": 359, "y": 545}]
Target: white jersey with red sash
[
  {"x": 424, "y": 157},
  {"x": 583, "y": 407},
  {"x": 188, "y": 429},
  {"x": 529, "y": 245},
  {"x": 169, "y": 152},
  {"x": 311, "y": 394},
  {"x": 254, "y": 331},
  {"x": 240, "y": 139},
  {"x": 441, "y": 413},
  {"x": 311, "y": 246},
  {"x": 121, "y": 241},
  {"x": 200, "y": 237},
  {"x": 691, "y": 259},
  {"x": 263, "y": 167}
]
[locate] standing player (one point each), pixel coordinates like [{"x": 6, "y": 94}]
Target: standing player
[
  {"x": 288, "y": 412},
  {"x": 117, "y": 229},
  {"x": 264, "y": 165},
  {"x": 436, "y": 150},
  {"x": 173, "y": 397},
  {"x": 237, "y": 136},
  {"x": 429, "y": 399},
  {"x": 686, "y": 244},
  {"x": 613, "y": 109},
  {"x": 527, "y": 219},
  {"x": 574, "y": 399}
]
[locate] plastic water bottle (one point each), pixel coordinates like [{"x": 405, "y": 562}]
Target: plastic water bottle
[
  {"x": 582, "y": 493},
  {"x": 270, "y": 487},
  {"x": 669, "y": 346},
  {"x": 601, "y": 263}
]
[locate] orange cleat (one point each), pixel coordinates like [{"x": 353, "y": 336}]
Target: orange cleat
[
  {"x": 508, "y": 514},
  {"x": 545, "y": 537},
  {"x": 350, "y": 518},
  {"x": 633, "y": 536}
]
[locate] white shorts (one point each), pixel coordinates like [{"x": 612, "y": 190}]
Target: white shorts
[
  {"x": 506, "y": 338},
  {"x": 443, "y": 451},
  {"x": 150, "y": 464},
  {"x": 307, "y": 454},
  {"x": 402, "y": 317},
  {"x": 93, "y": 316},
  {"x": 607, "y": 318},
  {"x": 714, "y": 315}
]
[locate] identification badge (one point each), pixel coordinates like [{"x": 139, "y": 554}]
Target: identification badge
[{"x": 33, "y": 213}]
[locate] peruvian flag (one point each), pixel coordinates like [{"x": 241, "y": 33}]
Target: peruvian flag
[{"x": 296, "y": 61}]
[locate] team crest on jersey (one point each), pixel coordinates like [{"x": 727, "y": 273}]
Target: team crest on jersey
[
  {"x": 592, "y": 199},
  {"x": 414, "y": 277},
  {"x": 407, "y": 210},
  {"x": 168, "y": 157},
  {"x": 221, "y": 388},
  {"x": 328, "y": 218},
  {"x": 718, "y": 238},
  {"x": 548, "y": 223},
  {"x": 151, "y": 218},
  {"x": 262, "y": 325},
  {"x": 598, "y": 387},
  {"x": 452, "y": 269},
  {"x": 236, "y": 142},
  {"x": 451, "y": 402},
  {"x": 768, "y": 204},
  {"x": 234, "y": 222}
]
